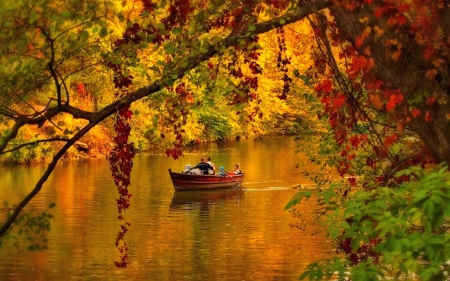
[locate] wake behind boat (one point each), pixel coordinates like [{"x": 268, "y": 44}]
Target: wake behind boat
[{"x": 185, "y": 181}]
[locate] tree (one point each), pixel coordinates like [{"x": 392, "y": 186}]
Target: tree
[
  {"x": 48, "y": 45},
  {"x": 381, "y": 72},
  {"x": 385, "y": 98}
]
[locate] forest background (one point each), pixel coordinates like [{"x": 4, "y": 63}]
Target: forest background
[
  {"x": 209, "y": 106},
  {"x": 366, "y": 80}
]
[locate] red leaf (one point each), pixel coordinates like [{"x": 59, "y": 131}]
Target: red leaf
[
  {"x": 354, "y": 141},
  {"x": 325, "y": 87},
  {"x": 394, "y": 99},
  {"x": 428, "y": 52},
  {"x": 339, "y": 100},
  {"x": 431, "y": 100},
  {"x": 359, "y": 41},
  {"x": 404, "y": 8},
  {"x": 415, "y": 112},
  {"x": 428, "y": 117},
  {"x": 352, "y": 181},
  {"x": 379, "y": 12},
  {"x": 388, "y": 141},
  {"x": 401, "y": 19}
]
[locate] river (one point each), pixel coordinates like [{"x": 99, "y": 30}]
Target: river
[{"x": 214, "y": 235}]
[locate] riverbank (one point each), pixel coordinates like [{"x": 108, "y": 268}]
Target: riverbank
[{"x": 97, "y": 144}]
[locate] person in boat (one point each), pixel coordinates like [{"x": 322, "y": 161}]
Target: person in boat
[
  {"x": 213, "y": 171},
  {"x": 222, "y": 171},
  {"x": 187, "y": 169},
  {"x": 204, "y": 167},
  {"x": 237, "y": 169}
]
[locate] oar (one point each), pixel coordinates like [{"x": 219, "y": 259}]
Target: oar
[{"x": 223, "y": 171}]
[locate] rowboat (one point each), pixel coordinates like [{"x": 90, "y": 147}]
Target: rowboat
[{"x": 182, "y": 181}]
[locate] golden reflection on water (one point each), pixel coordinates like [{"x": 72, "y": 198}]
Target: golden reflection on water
[{"x": 212, "y": 235}]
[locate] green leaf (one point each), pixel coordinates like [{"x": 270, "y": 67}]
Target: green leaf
[
  {"x": 355, "y": 243},
  {"x": 121, "y": 17},
  {"x": 83, "y": 35},
  {"x": 176, "y": 31},
  {"x": 304, "y": 274},
  {"x": 334, "y": 231},
  {"x": 66, "y": 14},
  {"x": 169, "y": 49},
  {"x": 103, "y": 32}
]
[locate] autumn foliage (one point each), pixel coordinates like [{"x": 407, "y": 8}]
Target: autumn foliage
[{"x": 377, "y": 81}]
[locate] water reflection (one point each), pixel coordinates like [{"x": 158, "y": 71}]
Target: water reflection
[
  {"x": 190, "y": 235},
  {"x": 205, "y": 199}
]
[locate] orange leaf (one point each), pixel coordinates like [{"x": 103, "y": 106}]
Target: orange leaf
[
  {"x": 366, "y": 32},
  {"x": 396, "y": 55},
  {"x": 430, "y": 74},
  {"x": 364, "y": 35},
  {"x": 359, "y": 41},
  {"x": 376, "y": 101},
  {"x": 30, "y": 47},
  {"x": 370, "y": 64}
]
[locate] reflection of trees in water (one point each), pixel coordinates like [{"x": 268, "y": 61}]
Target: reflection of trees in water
[{"x": 205, "y": 200}]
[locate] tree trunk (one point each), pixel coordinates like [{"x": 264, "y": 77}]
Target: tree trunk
[{"x": 407, "y": 73}]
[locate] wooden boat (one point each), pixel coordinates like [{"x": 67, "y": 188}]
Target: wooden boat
[{"x": 183, "y": 181}]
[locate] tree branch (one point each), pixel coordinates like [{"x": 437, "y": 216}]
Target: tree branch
[
  {"x": 157, "y": 85},
  {"x": 32, "y": 143}
]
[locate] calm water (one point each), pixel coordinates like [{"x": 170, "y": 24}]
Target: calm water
[{"x": 212, "y": 235}]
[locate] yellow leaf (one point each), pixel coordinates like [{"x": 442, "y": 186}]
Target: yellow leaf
[
  {"x": 364, "y": 20},
  {"x": 378, "y": 31},
  {"x": 366, "y": 32}
]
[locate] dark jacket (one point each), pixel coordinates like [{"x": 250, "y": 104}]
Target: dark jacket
[{"x": 204, "y": 167}]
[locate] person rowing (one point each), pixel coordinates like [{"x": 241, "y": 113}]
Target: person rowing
[{"x": 204, "y": 167}]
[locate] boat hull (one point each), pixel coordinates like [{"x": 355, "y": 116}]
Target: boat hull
[{"x": 183, "y": 181}]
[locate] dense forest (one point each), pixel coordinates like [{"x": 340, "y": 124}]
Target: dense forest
[
  {"x": 207, "y": 111},
  {"x": 200, "y": 105},
  {"x": 368, "y": 80}
]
